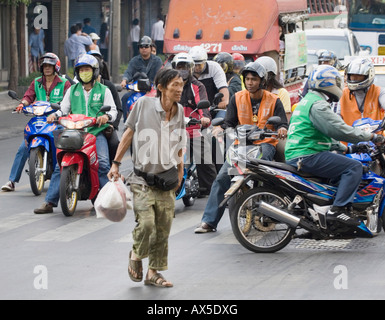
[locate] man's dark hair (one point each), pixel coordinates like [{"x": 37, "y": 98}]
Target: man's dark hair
[
  {"x": 86, "y": 20},
  {"x": 164, "y": 77},
  {"x": 74, "y": 28}
]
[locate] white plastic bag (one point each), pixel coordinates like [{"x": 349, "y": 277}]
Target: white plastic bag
[{"x": 113, "y": 201}]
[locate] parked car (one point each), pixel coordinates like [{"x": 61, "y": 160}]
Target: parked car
[{"x": 341, "y": 41}]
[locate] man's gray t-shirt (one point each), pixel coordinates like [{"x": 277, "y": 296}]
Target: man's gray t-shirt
[{"x": 156, "y": 142}]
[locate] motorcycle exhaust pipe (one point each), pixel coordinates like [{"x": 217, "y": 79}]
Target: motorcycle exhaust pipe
[{"x": 278, "y": 214}]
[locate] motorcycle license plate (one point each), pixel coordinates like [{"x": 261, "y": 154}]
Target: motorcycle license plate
[{"x": 234, "y": 187}]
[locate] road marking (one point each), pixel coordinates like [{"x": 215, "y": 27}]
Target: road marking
[
  {"x": 73, "y": 230},
  {"x": 18, "y": 220}
]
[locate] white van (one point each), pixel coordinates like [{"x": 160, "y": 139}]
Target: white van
[{"x": 341, "y": 41}]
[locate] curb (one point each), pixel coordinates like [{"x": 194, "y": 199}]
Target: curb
[{"x": 6, "y": 103}]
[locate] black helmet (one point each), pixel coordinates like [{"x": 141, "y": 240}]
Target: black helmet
[
  {"x": 145, "y": 41},
  {"x": 226, "y": 61}
]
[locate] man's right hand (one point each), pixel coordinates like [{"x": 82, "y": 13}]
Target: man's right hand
[
  {"x": 19, "y": 108},
  {"x": 51, "y": 118}
]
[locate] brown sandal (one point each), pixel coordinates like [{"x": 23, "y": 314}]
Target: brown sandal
[
  {"x": 154, "y": 281},
  {"x": 135, "y": 268}
]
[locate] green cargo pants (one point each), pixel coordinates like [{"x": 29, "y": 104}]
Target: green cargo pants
[{"x": 154, "y": 212}]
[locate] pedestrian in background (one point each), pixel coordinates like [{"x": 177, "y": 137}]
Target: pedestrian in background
[
  {"x": 153, "y": 206},
  {"x": 104, "y": 40},
  {"x": 135, "y": 36},
  {"x": 76, "y": 44},
  {"x": 157, "y": 34},
  {"x": 87, "y": 28},
  {"x": 36, "y": 47}
]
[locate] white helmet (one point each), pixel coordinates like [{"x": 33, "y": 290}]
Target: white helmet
[
  {"x": 198, "y": 54},
  {"x": 327, "y": 79},
  {"x": 185, "y": 59},
  {"x": 362, "y": 67},
  {"x": 269, "y": 64}
]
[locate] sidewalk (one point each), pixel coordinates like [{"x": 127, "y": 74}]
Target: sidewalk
[{"x": 6, "y": 102}]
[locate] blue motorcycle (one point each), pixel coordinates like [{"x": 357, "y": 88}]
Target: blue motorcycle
[
  {"x": 38, "y": 137},
  {"x": 136, "y": 90},
  {"x": 274, "y": 203}
]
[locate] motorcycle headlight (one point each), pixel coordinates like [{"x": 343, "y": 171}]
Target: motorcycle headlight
[
  {"x": 75, "y": 124},
  {"x": 38, "y": 110}
]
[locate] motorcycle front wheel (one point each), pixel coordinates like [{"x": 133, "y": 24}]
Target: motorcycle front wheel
[
  {"x": 36, "y": 175},
  {"x": 68, "y": 192},
  {"x": 255, "y": 231}
]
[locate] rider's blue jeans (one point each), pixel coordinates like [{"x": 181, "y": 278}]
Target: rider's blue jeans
[
  {"x": 213, "y": 214},
  {"x": 19, "y": 162},
  {"x": 331, "y": 165},
  {"x": 53, "y": 192}
]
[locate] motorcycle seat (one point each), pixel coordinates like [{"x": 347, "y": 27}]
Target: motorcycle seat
[{"x": 287, "y": 167}]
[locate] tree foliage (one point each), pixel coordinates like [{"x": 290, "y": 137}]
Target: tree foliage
[{"x": 15, "y": 2}]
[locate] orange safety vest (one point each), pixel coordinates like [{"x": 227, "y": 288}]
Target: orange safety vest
[
  {"x": 266, "y": 110},
  {"x": 372, "y": 108}
]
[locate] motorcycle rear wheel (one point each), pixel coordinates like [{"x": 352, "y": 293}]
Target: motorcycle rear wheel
[
  {"x": 255, "y": 231},
  {"x": 36, "y": 176},
  {"x": 68, "y": 194}
]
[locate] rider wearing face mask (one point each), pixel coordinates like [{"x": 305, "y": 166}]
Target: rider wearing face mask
[
  {"x": 193, "y": 92},
  {"x": 85, "y": 97}
]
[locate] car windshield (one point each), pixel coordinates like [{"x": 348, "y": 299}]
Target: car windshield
[
  {"x": 339, "y": 45},
  {"x": 366, "y": 15}
]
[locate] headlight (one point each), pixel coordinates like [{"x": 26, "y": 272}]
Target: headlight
[
  {"x": 75, "y": 124},
  {"x": 38, "y": 111}
]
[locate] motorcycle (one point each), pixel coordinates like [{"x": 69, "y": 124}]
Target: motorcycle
[
  {"x": 38, "y": 136},
  {"x": 139, "y": 88},
  {"x": 78, "y": 160},
  {"x": 189, "y": 188},
  {"x": 275, "y": 201}
]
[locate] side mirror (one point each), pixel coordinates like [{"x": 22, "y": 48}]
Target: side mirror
[
  {"x": 144, "y": 85},
  {"x": 218, "y": 98},
  {"x": 203, "y": 104},
  {"x": 105, "y": 109},
  {"x": 12, "y": 94},
  {"x": 55, "y": 106}
]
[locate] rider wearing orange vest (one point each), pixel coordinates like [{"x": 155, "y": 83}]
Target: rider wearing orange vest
[
  {"x": 361, "y": 98},
  {"x": 251, "y": 106}
]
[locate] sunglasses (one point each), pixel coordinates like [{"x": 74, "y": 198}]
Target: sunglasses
[{"x": 144, "y": 46}]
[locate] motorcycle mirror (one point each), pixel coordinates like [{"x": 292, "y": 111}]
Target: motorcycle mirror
[
  {"x": 203, "y": 104},
  {"x": 144, "y": 85},
  {"x": 13, "y": 94},
  {"x": 104, "y": 109},
  {"x": 218, "y": 97},
  {"x": 55, "y": 106},
  {"x": 217, "y": 121}
]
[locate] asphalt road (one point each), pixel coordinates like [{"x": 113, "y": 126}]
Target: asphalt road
[{"x": 81, "y": 257}]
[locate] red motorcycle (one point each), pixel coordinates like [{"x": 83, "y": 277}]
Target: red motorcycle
[{"x": 78, "y": 160}]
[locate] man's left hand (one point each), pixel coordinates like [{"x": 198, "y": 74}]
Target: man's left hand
[
  {"x": 282, "y": 133},
  {"x": 102, "y": 120}
]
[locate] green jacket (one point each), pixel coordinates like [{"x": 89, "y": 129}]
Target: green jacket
[
  {"x": 95, "y": 102},
  {"x": 303, "y": 138},
  {"x": 56, "y": 94}
]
